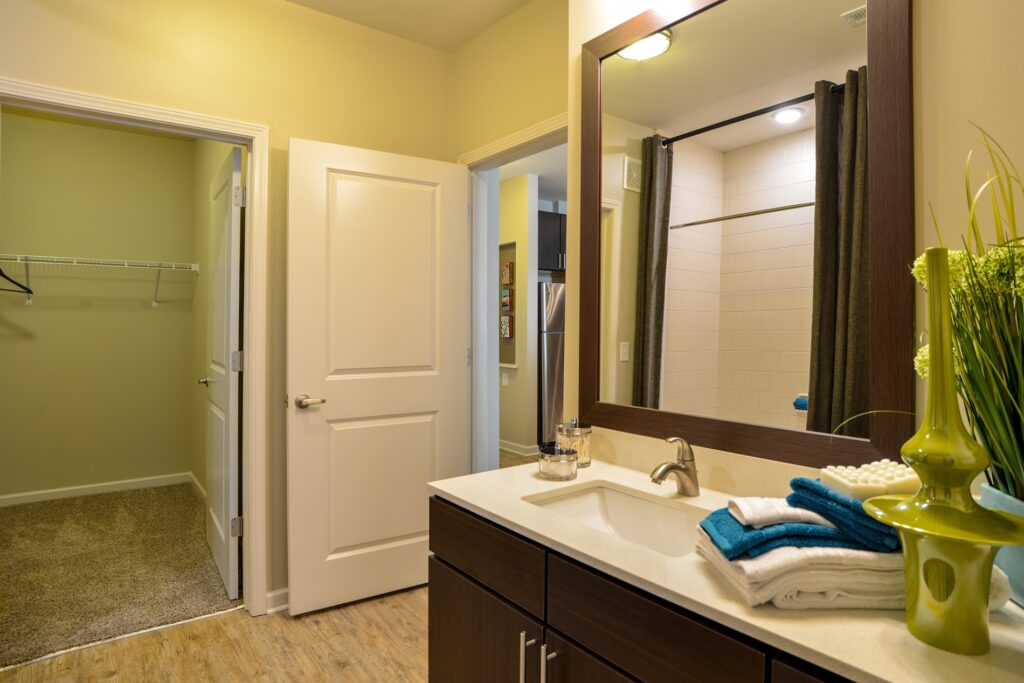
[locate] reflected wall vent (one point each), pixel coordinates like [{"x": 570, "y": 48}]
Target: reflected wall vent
[
  {"x": 856, "y": 17},
  {"x": 631, "y": 170}
]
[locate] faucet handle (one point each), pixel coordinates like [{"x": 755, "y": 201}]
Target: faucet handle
[{"x": 683, "y": 451}]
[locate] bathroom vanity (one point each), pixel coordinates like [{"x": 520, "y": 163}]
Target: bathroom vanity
[{"x": 594, "y": 580}]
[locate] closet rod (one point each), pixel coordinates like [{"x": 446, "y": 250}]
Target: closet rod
[
  {"x": 749, "y": 115},
  {"x": 106, "y": 263},
  {"x": 742, "y": 215}
]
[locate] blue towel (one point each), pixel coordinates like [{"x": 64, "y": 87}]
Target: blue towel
[
  {"x": 846, "y": 513},
  {"x": 735, "y": 539}
]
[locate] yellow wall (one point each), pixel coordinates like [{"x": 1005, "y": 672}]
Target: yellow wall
[
  {"x": 620, "y": 138},
  {"x": 302, "y": 73},
  {"x": 518, "y": 223},
  {"x": 96, "y": 381},
  {"x": 509, "y": 77},
  {"x": 966, "y": 68},
  {"x": 966, "y": 60}
]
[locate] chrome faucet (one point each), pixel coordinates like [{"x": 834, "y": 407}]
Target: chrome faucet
[{"x": 684, "y": 469}]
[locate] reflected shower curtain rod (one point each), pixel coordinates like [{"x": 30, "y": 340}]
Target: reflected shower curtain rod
[
  {"x": 743, "y": 117},
  {"x": 758, "y": 212}
]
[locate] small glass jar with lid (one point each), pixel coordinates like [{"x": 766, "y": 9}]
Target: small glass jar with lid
[
  {"x": 575, "y": 435},
  {"x": 557, "y": 463}
]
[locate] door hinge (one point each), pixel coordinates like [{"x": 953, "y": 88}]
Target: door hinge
[
  {"x": 469, "y": 358},
  {"x": 469, "y": 213},
  {"x": 237, "y": 361},
  {"x": 238, "y": 196},
  {"x": 236, "y": 527}
]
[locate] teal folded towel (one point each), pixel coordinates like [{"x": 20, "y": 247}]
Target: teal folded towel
[
  {"x": 735, "y": 539},
  {"x": 846, "y": 513}
]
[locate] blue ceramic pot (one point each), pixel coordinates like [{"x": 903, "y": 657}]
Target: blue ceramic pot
[{"x": 1011, "y": 558}]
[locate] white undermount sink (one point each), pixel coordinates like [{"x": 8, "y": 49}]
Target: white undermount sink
[{"x": 664, "y": 526}]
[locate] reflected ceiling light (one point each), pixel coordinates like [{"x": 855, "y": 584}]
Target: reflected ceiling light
[
  {"x": 648, "y": 47},
  {"x": 789, "y": 114}
]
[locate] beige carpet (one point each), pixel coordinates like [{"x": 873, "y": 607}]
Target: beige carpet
[{"x": 78, "y": 570}]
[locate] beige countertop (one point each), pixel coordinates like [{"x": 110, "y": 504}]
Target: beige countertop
[{"x": 865, "y": 645}]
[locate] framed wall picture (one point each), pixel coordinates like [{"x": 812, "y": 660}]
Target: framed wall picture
[
  {"x": 507, "y": 300},
  {"x": 505, "y": 324},
  {"x": 508, "y": 272}
]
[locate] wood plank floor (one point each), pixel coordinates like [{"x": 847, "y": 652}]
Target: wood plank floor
[
  {"x": 384, "y": 639},
  {"x": 510, "y": 459}
]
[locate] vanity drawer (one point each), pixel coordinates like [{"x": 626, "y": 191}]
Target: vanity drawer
[
  {"x": 640, "y": 636},
  {"x": 507, "y": 564}
]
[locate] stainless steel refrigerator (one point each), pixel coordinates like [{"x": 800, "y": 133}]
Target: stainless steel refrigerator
[{"x": 551, "y": 355}]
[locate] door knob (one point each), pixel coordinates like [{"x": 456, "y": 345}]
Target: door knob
[
  {"x": 205, "y": 381},
  {"x": 304, "y": 401}
]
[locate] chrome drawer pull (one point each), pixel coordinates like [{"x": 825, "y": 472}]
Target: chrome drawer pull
[{"x": 523, "y": 644}]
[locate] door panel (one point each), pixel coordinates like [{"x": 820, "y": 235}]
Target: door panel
[
  {"x": 392, "y": 270},
  {"x": 378, "y": 328},
  {"x": 222, "y": 383}
]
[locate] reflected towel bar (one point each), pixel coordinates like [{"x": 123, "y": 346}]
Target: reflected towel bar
[{"x": 742, "y": 215}]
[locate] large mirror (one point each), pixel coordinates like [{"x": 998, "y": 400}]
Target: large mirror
[{"x": 732, "y": 239}]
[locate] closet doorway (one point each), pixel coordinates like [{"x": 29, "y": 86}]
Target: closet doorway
[{"x": 121, "y": 342}]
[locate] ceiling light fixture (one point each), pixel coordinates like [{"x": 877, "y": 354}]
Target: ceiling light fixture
[
  {"x": 789, "y": 115},
  {"x": 648, "y": 47}
]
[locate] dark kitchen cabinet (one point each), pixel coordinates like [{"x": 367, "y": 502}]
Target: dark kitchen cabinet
[{"x": 550, "y": 240}]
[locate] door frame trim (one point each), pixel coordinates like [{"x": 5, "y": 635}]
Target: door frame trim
[
  {"x": 255, "y": 375},
  {"x": 483, "y": 163}
]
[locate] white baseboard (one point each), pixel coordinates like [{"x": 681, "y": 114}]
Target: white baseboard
[
  {"x": 91, "y": 489},
  {"x": 518, "y": 448},
  {"x": 197, "y": 486},
  {"x": 277, "y": 601}
]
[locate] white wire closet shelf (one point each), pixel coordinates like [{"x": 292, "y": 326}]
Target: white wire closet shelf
[
  {"x": 159, "y": 267},
  {"x": 102, "y": 262}
]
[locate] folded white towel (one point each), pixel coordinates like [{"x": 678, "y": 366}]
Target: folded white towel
[
  {"x": 762, "y": 512},
  {"x": 782, "y": 560},
  {"x": 998, "y": 596},
  {"x": 806, "y": 578}
]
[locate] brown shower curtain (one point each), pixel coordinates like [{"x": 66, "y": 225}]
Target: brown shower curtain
[
  {"x": 652, "y": 261},
  {"x": 839, "y": 327}
]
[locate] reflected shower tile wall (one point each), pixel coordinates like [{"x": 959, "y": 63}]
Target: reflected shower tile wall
[
  {"x": 690, "y": 359},
  {"x": 766, "y": 277}
]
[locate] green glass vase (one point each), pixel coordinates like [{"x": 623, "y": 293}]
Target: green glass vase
[{"x": 949, "y": 541}]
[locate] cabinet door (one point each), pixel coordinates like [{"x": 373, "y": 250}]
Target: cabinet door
[
  {"x": 475, "y": 635},
  {"x": 549, "y": 241},
  {"x": 567, "y": 663},
  {"x": 561, "y": 237}
]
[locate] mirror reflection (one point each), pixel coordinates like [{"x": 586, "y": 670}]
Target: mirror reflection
[{"x": 734, "y": 252}]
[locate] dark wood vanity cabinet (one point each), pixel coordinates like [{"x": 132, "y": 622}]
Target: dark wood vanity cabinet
[
  {"x": 474, "y": 635},
  {"x": 496, "y": 598},
  {"x": 550, "y": 240}
]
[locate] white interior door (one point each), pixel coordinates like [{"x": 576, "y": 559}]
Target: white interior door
[
  {"x": 378, "y": 328},
  {"x": 222, "y": 382}
]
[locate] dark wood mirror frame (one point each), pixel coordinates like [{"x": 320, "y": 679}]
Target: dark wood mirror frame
[{"x": 892, "y": 250}]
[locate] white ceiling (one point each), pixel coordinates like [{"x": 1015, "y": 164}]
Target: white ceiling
[
  {"x": 442, "y": 24},
  {"x": 737, "y": 57},
  {"x": 550, "y": 167}
]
